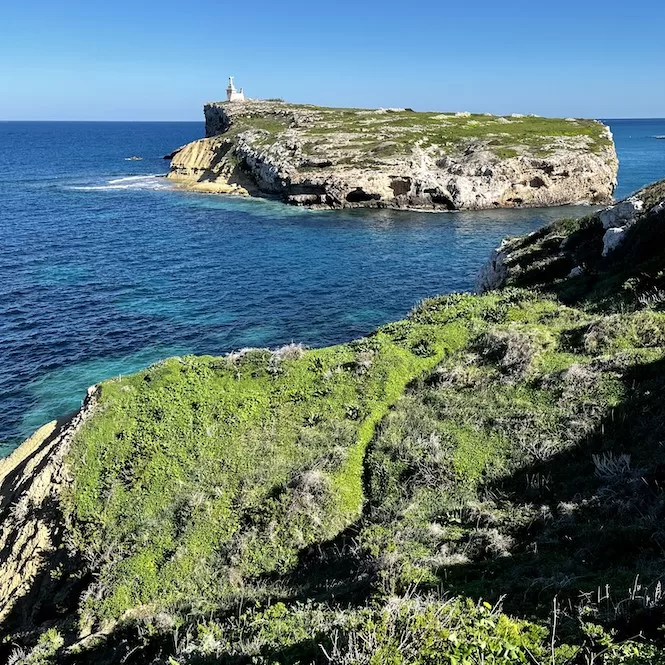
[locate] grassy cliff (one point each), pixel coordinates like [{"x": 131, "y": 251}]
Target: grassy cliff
[
  {"x": 611, "y": 260},
  {"x": 481, "y": 482}
]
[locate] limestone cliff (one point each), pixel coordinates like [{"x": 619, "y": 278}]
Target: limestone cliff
[
  {"x": 397, "y": 158},
  {"x": 39, "y": 569},
  {"x": 611, "y": 255}
]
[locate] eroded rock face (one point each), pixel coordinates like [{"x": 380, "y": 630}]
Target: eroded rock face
[
  {"x": 492, "y": 275},
  {"x": 627, "y": 232},
  {"x": 339, "y": 158},
  {"x": 34, "y": 554}
]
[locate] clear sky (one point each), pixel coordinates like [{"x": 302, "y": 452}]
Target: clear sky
[{"x": 147, "y": 60}]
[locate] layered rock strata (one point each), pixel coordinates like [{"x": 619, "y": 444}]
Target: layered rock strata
[
  {"x": 396, "y": 158},
  {"x": 34, "y": 555}
]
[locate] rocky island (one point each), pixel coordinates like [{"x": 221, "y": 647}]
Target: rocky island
[
  {"x": 397, "y": 158},
  {"x": 480, "y": 482}
]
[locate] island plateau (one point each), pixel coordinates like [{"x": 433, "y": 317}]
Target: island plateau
[
  {"x": 480, "y": 482},
  {"x": 397, "y": 158}
]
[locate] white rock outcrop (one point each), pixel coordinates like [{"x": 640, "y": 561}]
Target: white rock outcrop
[
  {"x": 622, "y": 213},
  {"x": 565, "y": 251},
  {"x": 298, "y": 154},
  {"x": 617, "y": 219}
]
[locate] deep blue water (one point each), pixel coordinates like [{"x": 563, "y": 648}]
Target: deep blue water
[{"x": 105, "y": 268}]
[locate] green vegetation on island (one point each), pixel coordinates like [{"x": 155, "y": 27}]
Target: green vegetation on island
[{"x": 382, "y": 133}]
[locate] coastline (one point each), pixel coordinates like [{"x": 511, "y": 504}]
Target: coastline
[{"x": 318, "y": 157}]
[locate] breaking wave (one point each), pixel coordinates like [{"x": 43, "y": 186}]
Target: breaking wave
[{"x": 142, "y": 182}]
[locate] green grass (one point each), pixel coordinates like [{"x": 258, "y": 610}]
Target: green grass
[
  {"x": 201, "y": 472},
  {"x": 454, "y": 448},
  {"x": 505, "y": 136}
]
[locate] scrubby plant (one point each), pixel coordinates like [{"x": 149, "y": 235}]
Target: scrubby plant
[
  {"x": 643, "y": 329},
  {"x": 513, "y": 350},
  {"x": 44, "y": 652}
]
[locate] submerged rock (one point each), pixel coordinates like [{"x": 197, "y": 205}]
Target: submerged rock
[{"x": 396, "y": 158}]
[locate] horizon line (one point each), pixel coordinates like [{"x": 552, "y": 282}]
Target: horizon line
[{"x": 202, "y": 120}]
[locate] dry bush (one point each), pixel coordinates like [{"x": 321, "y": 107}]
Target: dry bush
[
  {"x": 310, "y": 492},
  {"x": 652, "y": 298},
  {"x": 645, "y": 329},
  {"x": 463, "y": 374},
  {"x": 512, "y": 350},
  {"x": 577, "y": 380},
  {"x": 234, "y": 356},
  {"x": 428, "y": 458},
  {"x": 609, "y": 465},
  {"x": 291, "y": 351},
  {"x": 488, "y": 543},
  {"x": 363, "y": 362},
  {"x": 601, "y": 334}
]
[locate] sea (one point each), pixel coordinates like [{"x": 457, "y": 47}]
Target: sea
[{"x": 106, "y": 268}]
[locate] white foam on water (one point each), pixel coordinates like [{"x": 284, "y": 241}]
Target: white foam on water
[{"x": 151, "y": 181}]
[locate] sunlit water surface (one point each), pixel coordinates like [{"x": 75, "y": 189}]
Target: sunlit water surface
[{"x": 106, "y": 268}]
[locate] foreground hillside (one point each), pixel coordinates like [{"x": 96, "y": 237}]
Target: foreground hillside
[
  {"x": 335, "y": 158},
  {"x": 481, "y": 482}
]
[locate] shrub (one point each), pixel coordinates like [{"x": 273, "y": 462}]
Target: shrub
[
  {"x": 511, "y": 349},
  {"x": 44, "y": 653},
  {"x": 644, "y": 329}
]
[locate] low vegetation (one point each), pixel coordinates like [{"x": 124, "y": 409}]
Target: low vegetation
[
  {"x": 452, "y": 131},
  {"x": 387, "y": 133},
  {"x": 481, "y": 482}
]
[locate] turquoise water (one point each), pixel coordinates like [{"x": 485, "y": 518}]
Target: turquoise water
[{"x": 105, "y": 268}]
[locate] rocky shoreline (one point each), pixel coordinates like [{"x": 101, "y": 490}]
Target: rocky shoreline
[{"x": 396, "y": 158}]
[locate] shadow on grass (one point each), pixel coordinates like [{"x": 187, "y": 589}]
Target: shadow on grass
[{"x": 601, "y": 525}]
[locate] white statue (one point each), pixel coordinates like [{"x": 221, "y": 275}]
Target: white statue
[{"x": 233, "y": 95}]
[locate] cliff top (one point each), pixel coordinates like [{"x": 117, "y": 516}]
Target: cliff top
[{"x": 377, "y": 135}]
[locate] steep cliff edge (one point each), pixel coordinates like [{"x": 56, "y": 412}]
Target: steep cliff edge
[
  {"x": 396, "y": 158},
  {"x": 39, "y": 569},
  {"x": 609, "y": 259}
]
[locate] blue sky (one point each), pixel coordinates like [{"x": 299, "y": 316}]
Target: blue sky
[{"x": 147, "y": 60}]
